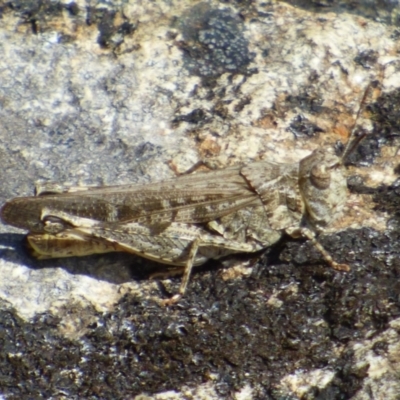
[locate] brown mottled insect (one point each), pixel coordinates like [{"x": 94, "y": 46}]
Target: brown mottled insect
[{"x": 188, "y": 220}]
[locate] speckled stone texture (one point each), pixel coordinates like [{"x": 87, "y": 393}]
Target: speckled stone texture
[{"x": 96, "y": 92}]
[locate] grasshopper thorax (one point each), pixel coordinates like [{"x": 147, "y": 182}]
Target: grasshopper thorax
[{"x": 323, "y": 186}]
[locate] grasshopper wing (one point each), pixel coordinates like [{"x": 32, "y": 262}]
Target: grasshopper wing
[{"x": 189, "y": 199}]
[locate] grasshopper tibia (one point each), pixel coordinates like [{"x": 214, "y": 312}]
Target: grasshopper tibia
[{"x": 310, "y": 235}]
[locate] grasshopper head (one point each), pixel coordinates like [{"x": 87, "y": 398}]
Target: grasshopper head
[
  {"x": 323, "y": 186},
  {"x": 322, "y": 177}
]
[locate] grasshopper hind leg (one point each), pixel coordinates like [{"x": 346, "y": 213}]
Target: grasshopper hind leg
[
  {"x": 204, "y": 242},
  {"x": 186, "y": 273},
  {"x": 66, "y": 244},
  {"x": 180, "y": 245}
]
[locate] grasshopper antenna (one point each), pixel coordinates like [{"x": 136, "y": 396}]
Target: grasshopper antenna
[{"x": 354, "y": 140}]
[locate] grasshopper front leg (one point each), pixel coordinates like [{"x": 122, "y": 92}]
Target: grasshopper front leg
[{"x": 310, "y": 235}]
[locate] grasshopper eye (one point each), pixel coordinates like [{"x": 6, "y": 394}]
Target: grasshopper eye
[{"x": 320, "y": 177}]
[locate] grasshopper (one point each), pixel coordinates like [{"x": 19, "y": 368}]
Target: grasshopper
[{"x": 193, "y": 218}]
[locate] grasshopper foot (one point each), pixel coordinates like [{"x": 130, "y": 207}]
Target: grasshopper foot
[
  {"x": 173, "y": 300},
  {"x": 340, "y": 267}
]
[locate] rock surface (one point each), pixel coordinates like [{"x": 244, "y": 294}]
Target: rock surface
[{"x": 94, "y": 93}]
